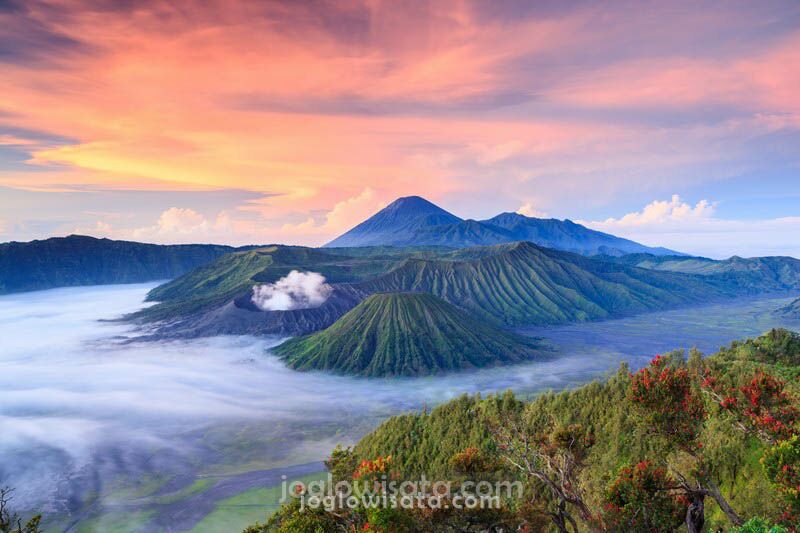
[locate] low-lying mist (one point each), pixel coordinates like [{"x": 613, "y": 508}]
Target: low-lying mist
[
  {"x": 78, "y": 403},
  {"x": 83, "y": 412}
]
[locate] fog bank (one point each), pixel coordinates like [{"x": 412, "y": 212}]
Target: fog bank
[{"x": 81, "y": 412}]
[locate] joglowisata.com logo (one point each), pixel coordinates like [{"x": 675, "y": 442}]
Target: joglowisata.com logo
[{"x": 388, "y": 493}]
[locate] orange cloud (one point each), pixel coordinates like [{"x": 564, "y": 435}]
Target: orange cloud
[{"x": 317, "y": 104}]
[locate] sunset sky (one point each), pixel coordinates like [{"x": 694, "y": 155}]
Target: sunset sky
[{"x": 668, "y": 122}]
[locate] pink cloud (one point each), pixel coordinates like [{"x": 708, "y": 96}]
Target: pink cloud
[
  {"x": 768, "y": 81},
  {"x": 318, "y": 105}
]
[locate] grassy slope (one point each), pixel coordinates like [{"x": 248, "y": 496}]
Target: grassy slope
[
  {"x": 405, "y": 334},
  {"x": 521, "y": 283},
  {"x": 515, "y": 284},
  {"x": 424, "y": 443},
  {"x": 748, "y": 274},
  {"x": 254, "y": 505},
  {"x": 233, "y": 275}
]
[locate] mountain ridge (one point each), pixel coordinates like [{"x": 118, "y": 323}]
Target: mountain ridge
[
  {"x": 414, "y": 221},
  {"x": 79, "y": 260},
  {"x": 512, "y": 284},
  {"x": 522, "y": 283}
]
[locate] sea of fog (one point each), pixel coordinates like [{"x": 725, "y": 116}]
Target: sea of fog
[{"x": 91, "y": 423}]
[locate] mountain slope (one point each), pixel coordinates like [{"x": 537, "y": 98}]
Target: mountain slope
[
  {"x": 79, "y": 260},
  {"x": 414, "y": 221},
  {"x": 791, "y": 311},
  {"x": 567, "y": 235},
  {"x": 395, "y": 224},
  {"x": 405, "y": 334},
  {"x": 516, "y": 284},
  {"x": 233, "y": 276},
  {"x": 748, "y": 275},
  {"x": 462, "y": 234},
  {"x": 521, "y": 284}
]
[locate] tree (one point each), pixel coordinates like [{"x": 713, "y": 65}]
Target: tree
[
  {"x": 11, "y": 522},
  {"x": 781, "y": 464},
  {"x": 554, "y": 458},
  {"x": 760, "y": 406},
  {"x": 473, "y": 462},
  {"x": 643, "y": 499},
  {"x": 671, "y": 407}
]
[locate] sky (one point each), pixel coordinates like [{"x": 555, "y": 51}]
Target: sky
[{"x": 672, "y": 123}]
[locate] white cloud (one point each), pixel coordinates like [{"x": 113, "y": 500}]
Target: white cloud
[
  {"x": 695, "y": 229},
  {"x": 296, "y": 290},
  {"x": 528, "y": 210},
  {"x": 343, "y": 216},
  {"x": 242, "y": 226},
  {"x": 99, "y": 228},
  {"x": 664, "y": 212},
  {"x": 181, "y": 220},
  {"x": 184, "y": 225}
]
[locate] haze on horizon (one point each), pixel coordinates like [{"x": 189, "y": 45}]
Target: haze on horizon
[{"x": 673, "y": 124}]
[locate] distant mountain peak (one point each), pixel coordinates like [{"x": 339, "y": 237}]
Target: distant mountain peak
[
  {"x": 395, "y": 223},
  {"x": 414, "y": 221},
  {"x": 414, "y": 201},
  {"x": 511, "y": 215},
  {"x": 413, "y": 206}
]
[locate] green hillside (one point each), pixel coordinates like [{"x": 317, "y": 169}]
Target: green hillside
[
  {"x": 78, "y": 260},
  {"x": 589, "y": 441},
  {"x": 405, "y": 334},
  {"x": 514, "y": 284},
  {"x": 521, "y": 283},
  {"x": 233, "y": 275},
  {"x": 754, "y": 274}
]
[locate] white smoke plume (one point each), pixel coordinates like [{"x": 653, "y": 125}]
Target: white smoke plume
[{"x": 297, "y": 290}]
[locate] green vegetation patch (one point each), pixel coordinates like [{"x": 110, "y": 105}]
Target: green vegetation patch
[
  {"x": 254, "y": 505},
  {"x": 406, "y": 334}
]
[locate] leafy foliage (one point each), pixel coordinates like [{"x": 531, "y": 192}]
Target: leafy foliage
[
  {"x": 633, "y": 463},
  {"x": 758, "y": 525},
  {"x": 668, "y": 402},
  {"x": 782, "y": 465},
  {"x": 642, "y": 500}
]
